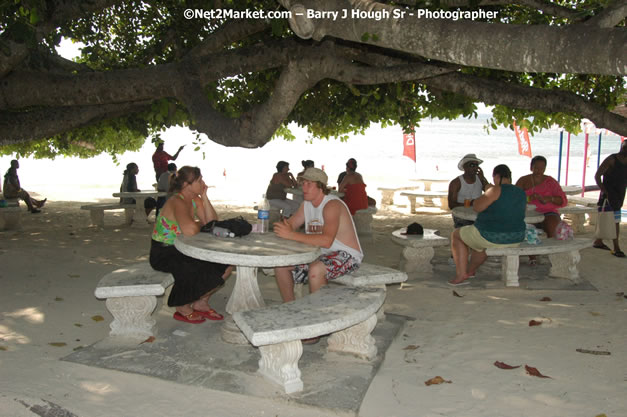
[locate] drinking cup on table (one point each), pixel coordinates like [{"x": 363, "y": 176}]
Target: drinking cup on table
[{"x": 467, "y": 202}]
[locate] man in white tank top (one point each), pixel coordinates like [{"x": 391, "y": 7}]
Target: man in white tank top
[
  {"x": 328, "y": 225},
  {"x": 468, "y": 186}
]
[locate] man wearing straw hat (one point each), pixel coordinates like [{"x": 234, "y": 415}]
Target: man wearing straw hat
[{"x": 466, "y": 188}]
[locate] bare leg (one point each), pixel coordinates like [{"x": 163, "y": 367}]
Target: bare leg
[
  {"x": 615, "y": 241},
  {"x": 460, "y": 255},
  {"x": 285, "y": 282},
  {"x": 476, "y": 260},
  {"x": 317, "y": 276},
  {"x": 550, "y": 224}
]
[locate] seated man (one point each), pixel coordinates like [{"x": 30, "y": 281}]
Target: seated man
[
  {"x": 329, "y": 225},
  {"x": 466, "y": 187},
  {"x": 13, "y": 189}
]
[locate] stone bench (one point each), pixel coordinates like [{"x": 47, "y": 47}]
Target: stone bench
[
  {"x": 387, "y": 194},
  {"x": 96, "y": 212},
  {"x": 369, "y": 275},
  {"x": 363, "y": 221},
  {"x": 418, "y": 249},
  {"x": 349, "y": 313},
  {"x": 563, "y": 254},
  {"x": 131, "y": 297},
  {"x": 427, "y": 197},
  {"x": 11, "y": 215},
  {"x": 577, "y": 215}
]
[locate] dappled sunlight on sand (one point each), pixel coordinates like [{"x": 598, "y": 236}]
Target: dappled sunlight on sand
[
  {"x": 9, "y": 335},
  {"x": 30, "y": 314},
  {"x": 99, "y": 388}
]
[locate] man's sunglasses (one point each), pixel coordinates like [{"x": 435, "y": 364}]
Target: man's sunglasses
[{"x": 473, "y": 165}]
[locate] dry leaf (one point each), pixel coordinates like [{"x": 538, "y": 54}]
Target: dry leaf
[
  {"x": 3, "y": 348},
  {"x": 457, "y": 295},
  {"x": 436, "y": 380},
  {"x": 149, "y": 340},
  {"x": 600, "y": 415},
  {"x": 534, "y": 323},
  {"x": 545, "y": 299},
  {"x": 594, "y": 313},
  {"x": 58, "y": 299},
  {"x": 58, "y": 344},
  {"x": 620, "y": 294},
  {"x": 534, "y": 372},
  {"x": 411, "y": 347},
  {"x": 73, "y": 275},
  {"x": 78, "y": 325},
  {"x": 503, "y": 365},
  {"x": 97, "y": 318},
  {"x": 78, "y": 348},
  {"x": 594, "y": 352}
]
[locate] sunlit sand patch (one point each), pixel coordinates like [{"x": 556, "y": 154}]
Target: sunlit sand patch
[
  {"x": 30, "y": 314},
  {"x": 9, "y": 335},
  {"x": 99, "y": 388}
]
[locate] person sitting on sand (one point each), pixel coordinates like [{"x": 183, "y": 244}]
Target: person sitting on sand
[
  {"x": 13, "y": 189},
  {"x": 129, "y": 185},
  {"x": 500, "y": 223},
  {"x": 354, "y": 188},
  {"x": 194, "y": 280},
  {"x": 329, "y": 225},
  {"x": 275, "y": 193}
]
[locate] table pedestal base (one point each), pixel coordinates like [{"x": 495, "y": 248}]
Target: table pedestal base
[{"x": 245, "y": 296}]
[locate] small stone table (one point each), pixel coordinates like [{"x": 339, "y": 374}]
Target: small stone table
[
  {"x": 140, "y": 197},
  {"x": 418, "y": 249},
  {"x": 11, "y": 216},
  {"x": 468, "y": 213},
  {"x": 247, "y": 253}
]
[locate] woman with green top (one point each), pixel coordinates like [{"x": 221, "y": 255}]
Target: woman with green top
[
  {"x": 186, "y": 212},
  {"x": 500, "y": 223}
]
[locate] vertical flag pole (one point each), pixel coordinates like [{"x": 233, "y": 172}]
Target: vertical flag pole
[
  {"x": 567, "y": 157},
  {"x": 585, "y": 157},
  {"x": 559, "y": 160},
  {"x": 599, "y": 152}
]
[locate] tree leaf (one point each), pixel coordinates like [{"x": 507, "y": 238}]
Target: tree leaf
[
  {"x": 545, "y": 299},
  {"x": 436, "y": 380},
  {"x": 97, "y": 318},
  {"x": 534, "y": 323},
  {"x": 57, "y": 344},
  {"x": 149, "y": 340},
  {"x": 503, "y": 365},
  {"x": 534, "y": 372},
  {"x": 411, "y": 347}
]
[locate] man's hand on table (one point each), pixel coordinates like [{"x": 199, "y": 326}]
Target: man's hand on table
[{"x": 283, "y": 229}]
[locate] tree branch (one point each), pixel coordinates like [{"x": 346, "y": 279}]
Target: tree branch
[
  {"x": 232, "y": 31},
  {"x": 518, "y": 48},
  {"x": 491, "y": 91},
  {"x": 611, "y": 16}
]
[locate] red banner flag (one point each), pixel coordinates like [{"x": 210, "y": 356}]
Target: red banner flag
[
  {"x": 409, "y": 145},
  {"x": 524, "y": 144}
]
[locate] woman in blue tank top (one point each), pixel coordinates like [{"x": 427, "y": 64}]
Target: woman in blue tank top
[{"x": 500, "y": 223}]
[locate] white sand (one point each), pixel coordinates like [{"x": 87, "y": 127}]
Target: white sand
[{"x": 50, "y": 269}]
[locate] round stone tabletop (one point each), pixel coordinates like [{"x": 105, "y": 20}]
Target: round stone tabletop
[
  {"x": 468, "y": 213},
  {"x": 430, "y": 238},
  {"x": 255, "y": 250}
]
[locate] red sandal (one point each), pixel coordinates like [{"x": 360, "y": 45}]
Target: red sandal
[
  {"x": 188, "y": 318},
  {"x": 211, "y": 314}
]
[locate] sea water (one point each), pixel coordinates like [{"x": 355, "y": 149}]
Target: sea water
[{"x": 240, "y": 175}]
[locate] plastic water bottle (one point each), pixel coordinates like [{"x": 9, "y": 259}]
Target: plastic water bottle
[
  {"x": 222, "y": 232},
  {"x": 263, "y": 215}
]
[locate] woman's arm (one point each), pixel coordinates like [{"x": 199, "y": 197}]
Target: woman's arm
[
  {"x": 206, "y": 212},
  {"x": 183, "y": 215},
  {"x": 490, "y": 196}
]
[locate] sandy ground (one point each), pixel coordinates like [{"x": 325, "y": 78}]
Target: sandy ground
[{"x": 51, "y": 266}]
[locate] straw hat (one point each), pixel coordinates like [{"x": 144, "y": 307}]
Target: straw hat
[{"x": 468, "y": 158}]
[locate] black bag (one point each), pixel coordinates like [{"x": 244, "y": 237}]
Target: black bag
[{"x": 239, "y": 226}]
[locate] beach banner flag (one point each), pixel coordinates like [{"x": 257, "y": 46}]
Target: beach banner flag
[
  {"x": 409, "y": 145},
  {"x": 524, "y": 144}
]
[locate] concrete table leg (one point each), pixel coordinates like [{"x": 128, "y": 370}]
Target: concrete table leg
[
  {"x": 132, "y": 315},
  {"x": 564, "y": 265},
  {"x": 245, "y": 296},
  {"x": 279, "y": 363},
  {"x": 509, "y": 270},
  {"x": 417, "y": 259},
  {"x": 355, "y": 340},
  {"x": 387, "y": 198}
]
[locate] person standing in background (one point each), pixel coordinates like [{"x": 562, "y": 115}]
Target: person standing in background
[{"x": 160, "y": 159}]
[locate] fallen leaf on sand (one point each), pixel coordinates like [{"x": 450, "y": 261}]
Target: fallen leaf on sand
[
  {"x": 436, "y": 380},
  {"x": 411, "y": 347},
  {"x": 97, "y": 318},
  {"x": 3, "y": 348},
  {"x": 600, "y": 415},
  {"x": 620, "y": 294},
  {"x": 546, "y": 299},
  {"x": 534, "y": 372},
  {"x": 58, "y": 299},
  {"x": 503, "y": 365},
  {"x": 73, "y": 275},
  {"x": 594, "y": 313},
  {"x": 594, "y": 352},
  {"x": 457, "y": 295},
  {"x": 149, "y": 340},
  {"x": 534, "y": 323},
  {"x": 78, "y": 325},
  {"x": 57, "y": 344}
]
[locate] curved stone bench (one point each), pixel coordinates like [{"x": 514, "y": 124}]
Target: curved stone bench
[
  {"x": 563, "y": 254},
  {"x": 131, "y": 297},
  {"x": 96, "y": 212},
  {"x": 418, "y": 249},
  {"x": 347, "y": 312},
  {"x": 363, "y": 221},
  {"x": 577, "y": 215},
  {"x": 427, "y": 197}
]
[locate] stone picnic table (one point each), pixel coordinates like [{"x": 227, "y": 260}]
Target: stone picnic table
[
  {"x": 429, "y": 182},
  {"x": 140, "y": 197},
  {"x": 248, "y": 253},
  {"x": 468, "y": 213},
  {"x": 418, "y": 249}
]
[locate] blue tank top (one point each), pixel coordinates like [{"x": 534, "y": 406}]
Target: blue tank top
[{"x": 504, "y": 220}]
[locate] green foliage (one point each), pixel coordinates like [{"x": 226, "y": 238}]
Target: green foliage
[{"x": 137, "y": 34}]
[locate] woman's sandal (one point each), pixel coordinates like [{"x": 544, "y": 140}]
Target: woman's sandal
[
  {"x": 211, "y": 314},
  {"x": 619, "y": 254},
  {"x": 188, "y": 318},
  {"x": 601, "y": 246}
]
